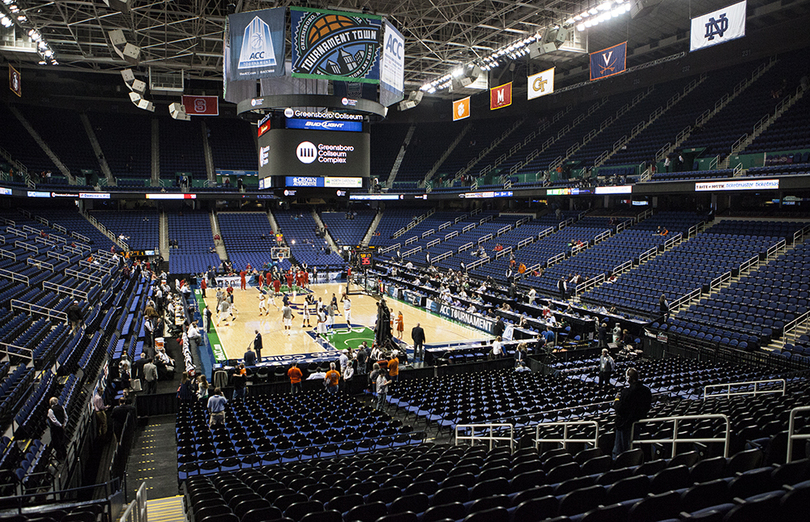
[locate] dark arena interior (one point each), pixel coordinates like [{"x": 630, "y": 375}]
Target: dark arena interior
[{"x": 569, "y": 232}]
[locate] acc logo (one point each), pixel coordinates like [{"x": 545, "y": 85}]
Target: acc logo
[
  {"x": 394, "y": 46},
  {"x": 306, "y": 152},
  {"x": 288, "y": 112},
  {"x": 255, "y": 102},
  {"x": 257, "y": 46}
]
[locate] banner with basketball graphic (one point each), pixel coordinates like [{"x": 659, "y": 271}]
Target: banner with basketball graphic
[
  {"x": 461, "y": 109},
  {"x": 256, "y": 44},
  {"x": 335, "y": 45}
]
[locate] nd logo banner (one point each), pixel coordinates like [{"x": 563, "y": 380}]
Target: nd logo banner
[
  {"x": 335, "y": 45},
  {"x": 500, "y": 97}
]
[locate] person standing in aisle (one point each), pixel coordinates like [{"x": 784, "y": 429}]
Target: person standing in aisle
[{"x": 418, "y": 337}]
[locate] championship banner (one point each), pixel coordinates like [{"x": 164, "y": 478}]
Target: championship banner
[
  {"x": 541, "y": 84},
  {"x": 392, "y": 66},
  {"x": 717, "y": 27},
  {"x": 256, "y": 44},
  {"x": 201, "y": 105},
  {"x": 500, "y": 97},
  {"x": 609, "y": 62},
  {"x": 461, "y": 109},
  {"x": 333, "y": 45},
  {"x": 14, "y": 81}
]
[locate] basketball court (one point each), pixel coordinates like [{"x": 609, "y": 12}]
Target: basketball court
[{"x": 230, "y": 339}]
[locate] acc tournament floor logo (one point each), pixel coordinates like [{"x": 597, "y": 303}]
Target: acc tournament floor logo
[
  {"x": 306, "y": 152},
  {"x": 335, "y": 45}
]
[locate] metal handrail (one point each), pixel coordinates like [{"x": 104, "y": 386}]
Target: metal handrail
[
  {"x": 675, "y": 439},
  {"x": 491, "y": 436},
  {"x": 565, "y": 438},
  {"x": 756, "y": 391},
  {"x": 791, "y": 431}
]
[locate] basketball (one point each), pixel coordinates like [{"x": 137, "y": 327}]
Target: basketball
[
  {"x": 326, "y": 25},
  {"x": 256, "y": 41}
]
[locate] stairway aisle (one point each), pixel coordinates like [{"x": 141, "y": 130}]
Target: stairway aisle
[
  {"x": 169, "y": 509},
  {"x": 154, "y": 459}
]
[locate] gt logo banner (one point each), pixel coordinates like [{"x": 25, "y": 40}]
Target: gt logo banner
[
  {"x": 541, "y": 84},
  {"x": 500, "y": 97},
  {"x": 461, "y": 109},
  {"x": 609, "y": 62},
  {"x": 201, "y": 105}
]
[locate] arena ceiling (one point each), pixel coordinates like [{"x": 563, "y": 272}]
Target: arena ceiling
[{"x": 186, "y": 35}]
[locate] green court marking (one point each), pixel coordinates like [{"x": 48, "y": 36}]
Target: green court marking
[
  {"x": 343, "y": 339},
  {"x": 213, "y": 338}
]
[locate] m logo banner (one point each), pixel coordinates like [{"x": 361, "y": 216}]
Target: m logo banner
[
  {"x": 256, "y": 44},
  {"x": 500, "y": 97},
  {"x": 717, "y": 27},
  {"x": 541, "y": 84},
  {"x": 14, "y": 81},
  {"x": 461, "y": 109},
  {"x": 201, "y": 105},
  {"x": 332, "y": 45},
  {"x": 608, "y": 62}
]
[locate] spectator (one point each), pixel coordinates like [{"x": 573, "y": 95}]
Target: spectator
[
  {"x": 185, "y": 392},
  {"x": 150, "y": 375},
  {"x": 57, "y": 420},
  {"x": 632, "y": 404},
  {"x": 295, "y": 376},
  {"x": 418, "y": 337},
  {"x": 120, "y": 415},
  {"x": 216, "y": 407},
  {"x": 202, "y": 389},
  {"x": 332, "y": 379},
  {"x": 606, "y": 366},
  {"x": 382, "y": 383},
  {"x": 75, "y": 316},
  {"x": 239, "y": 381}
]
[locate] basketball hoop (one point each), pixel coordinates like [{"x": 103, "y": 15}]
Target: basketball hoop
[{"x": 280, "y": 253}]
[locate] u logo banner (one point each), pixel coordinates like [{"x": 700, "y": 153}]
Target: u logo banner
[{"x": 608, "y": 62}]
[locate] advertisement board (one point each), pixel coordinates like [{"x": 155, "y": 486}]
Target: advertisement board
[{"x": 293, "y": 152}]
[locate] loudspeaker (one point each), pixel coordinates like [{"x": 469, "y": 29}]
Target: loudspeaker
[
  {"x": 132, "y": 52},
  {"x": 642, "y": 7},
  {"x": 128, "y": 75},
  {"x": 117, "y": 37},
  {"x": 561, "y": 38}
]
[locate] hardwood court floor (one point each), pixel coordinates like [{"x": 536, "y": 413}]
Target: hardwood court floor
[{"x": 236, "y": 337}]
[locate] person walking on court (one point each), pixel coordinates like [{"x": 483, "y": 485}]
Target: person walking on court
[
  {"x": 347, "y": 311},
  {"x": 418, "y": 337},
  {"x": 631, "y": 405},
  {"x": 257, "y": 346},
  {"x": 400, "y": 324},
  {"x": 287, "y": 316}
]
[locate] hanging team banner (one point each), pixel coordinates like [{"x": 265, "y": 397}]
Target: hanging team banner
[
  {"x": 461, "y": 109},
  {"x": 333, "y": 45},
  {"x": 609, "y": 62},
  {"x": 256, "y": 44},
  {"x": 14, "y": 81},
  {"x": 541, "y": 84},
  {"x": 718, "y": 27},
  {"x": 201, "y": 105},
  {"x": 392, "y": 66},
  {"x": 500, "y": 97}
]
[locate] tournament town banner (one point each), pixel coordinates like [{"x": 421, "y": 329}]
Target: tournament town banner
[
  {"x": 718, "y": 27},
  {"x": 334, "y": 45},
  {"x": 541, "y": 84},
  {"x": 256, "y": 46},
  {"x": 609, "y": 62}
]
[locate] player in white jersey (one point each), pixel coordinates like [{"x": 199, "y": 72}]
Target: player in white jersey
[{"x": 262, "y": 304}]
